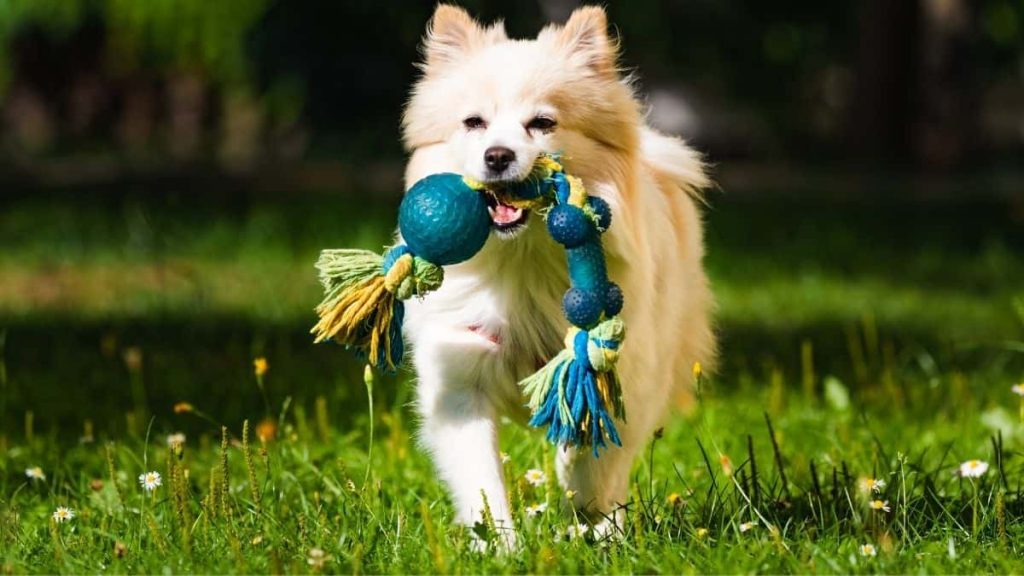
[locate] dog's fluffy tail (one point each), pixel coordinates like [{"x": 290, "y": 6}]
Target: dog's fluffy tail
[
  {"x": 671, "y": 157},
  {"x": 680, "y": 167}
]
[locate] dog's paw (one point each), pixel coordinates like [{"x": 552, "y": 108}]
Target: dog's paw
[{"x": 608, "y": 530}]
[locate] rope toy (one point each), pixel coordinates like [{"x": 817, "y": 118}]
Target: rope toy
[{"x": 444, "y": 220}]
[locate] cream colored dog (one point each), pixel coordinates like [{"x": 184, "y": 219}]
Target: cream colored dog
[{"x": 487, "y": 106}]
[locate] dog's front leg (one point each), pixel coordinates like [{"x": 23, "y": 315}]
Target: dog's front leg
[{"x": 461, "y": 432}]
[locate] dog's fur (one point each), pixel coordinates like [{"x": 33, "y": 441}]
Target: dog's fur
[{"x": 498, "y": 316}]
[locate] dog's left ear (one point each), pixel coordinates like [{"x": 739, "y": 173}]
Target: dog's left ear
[
  {"x": 453, "y": 33},
  {"x": 585, "y": 38}
]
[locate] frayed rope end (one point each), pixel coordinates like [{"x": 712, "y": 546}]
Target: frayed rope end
[{"x": 577, "y": 394}]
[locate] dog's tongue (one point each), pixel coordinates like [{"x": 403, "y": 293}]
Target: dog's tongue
[{"x": 504, "y": 214}]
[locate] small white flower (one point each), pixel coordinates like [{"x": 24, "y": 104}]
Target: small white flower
[
  {"x": 748, "y": 526},
  {"x": 63, "y": 514},
  {"x": 882, "y": 505},
  {"x": 176, "y": 439},
  {"x": 868, "y": 550},
  {"x": 875, "y": 485},
  {"x": 576, "y": 531},
  {"x": 973, "y": 468},
  {"x": 536, "y": 509},
  {"x": 1018, "y": 389},
  {"x": 150, "y": 481},
  {"x": 317, "y": 558},
  {"x": 505, "y": 457},
  {"x": 536, "y": 477},
  {"x": 35, "y": 473}
]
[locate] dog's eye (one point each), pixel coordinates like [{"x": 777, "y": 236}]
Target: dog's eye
[
  {"x": 542, "y": 123},
  {"x": 474, "y": 123}
]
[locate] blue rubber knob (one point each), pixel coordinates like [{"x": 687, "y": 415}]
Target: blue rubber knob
[
  {"x": 603, "y": 211},
  {"x": 582, "y": 307},
  {"x": 613, "y": 299},
  {"x": 569, "y": 226}
]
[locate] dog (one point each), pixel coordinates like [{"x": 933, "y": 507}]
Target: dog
[{"x": 486, "y": 106}]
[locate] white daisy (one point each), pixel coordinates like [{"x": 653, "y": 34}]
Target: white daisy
[
  {"x": 576, "y": 531},
  {"x": 748, "y": 526},
  {"x": 176, "y": 439},
  {"x": 536, "y": 509},
  {"x": 875, "y": 485},
  {"x": 973, "y": 468},
  {"x": 35, "y": 473},
  {"x": 882, "y": 505},
  {"x": 63, "y": 514},
  {"x": 868, "y": 550},
  {"x": 317, "y": 558},
  {"x": 536, "y": 477},
  {"x": 150, "y": 481},
  {"x": 1017, "y": 389}
]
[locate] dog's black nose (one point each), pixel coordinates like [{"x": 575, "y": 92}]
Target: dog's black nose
[{"x": 498, "y": 158}]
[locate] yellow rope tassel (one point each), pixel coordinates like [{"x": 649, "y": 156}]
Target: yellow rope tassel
[{"x": 353, "y": 310}]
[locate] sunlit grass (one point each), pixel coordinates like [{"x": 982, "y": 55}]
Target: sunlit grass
[{"x": 760, "y": 477}]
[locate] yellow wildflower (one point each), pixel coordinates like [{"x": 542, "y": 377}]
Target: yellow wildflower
[{"x": 260, "y": 366}]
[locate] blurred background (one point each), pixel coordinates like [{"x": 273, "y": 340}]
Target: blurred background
[{"x": 169, "y": 170}]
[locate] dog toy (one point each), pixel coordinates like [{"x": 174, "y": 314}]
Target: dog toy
[{"x": 443, "y": 220}]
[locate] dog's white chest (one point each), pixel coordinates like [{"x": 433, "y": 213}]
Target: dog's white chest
[{"x": 496, "y": 319}]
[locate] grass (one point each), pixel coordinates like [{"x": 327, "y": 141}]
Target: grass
[
  {"x": 858, "y": 342},
  {"x": 312, "y": 488}
]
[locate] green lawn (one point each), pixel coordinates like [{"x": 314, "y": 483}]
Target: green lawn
[{"x": 880, "y": 341}]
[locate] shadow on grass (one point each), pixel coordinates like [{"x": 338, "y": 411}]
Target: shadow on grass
[{"x": 69, "y": 373}]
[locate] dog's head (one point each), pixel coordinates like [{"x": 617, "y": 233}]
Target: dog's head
[{"x": 496, "y": 103}]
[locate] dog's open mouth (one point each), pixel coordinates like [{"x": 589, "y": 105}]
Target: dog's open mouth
[{"x": 505, "y": 217}]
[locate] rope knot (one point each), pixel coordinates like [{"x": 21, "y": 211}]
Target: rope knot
[
  {"x": 397, "y": 274},
  {"x": 597, "y": 348},
  {"x": 407, "y": 275}
]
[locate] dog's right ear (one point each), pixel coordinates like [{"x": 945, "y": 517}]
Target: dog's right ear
[
  {"x": 453, "y": 33},
  {"x": 585, "y": 38}
]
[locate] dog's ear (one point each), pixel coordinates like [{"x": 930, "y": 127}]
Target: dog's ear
[
  {"x": 453, "y": 33},
  {"x": 585, "y": 38}
]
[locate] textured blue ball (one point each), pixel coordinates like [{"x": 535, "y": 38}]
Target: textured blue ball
[
  {"x": 613, "y": 299},
  {"x": 443, "y": 220},
  {"x": 569, "y": 225},
  {"x": 582, "y": 307},
  {"x": 603, "y": 211}
]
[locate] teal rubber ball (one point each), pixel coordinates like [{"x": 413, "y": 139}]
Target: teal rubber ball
[{"x": 443, "y": 220}]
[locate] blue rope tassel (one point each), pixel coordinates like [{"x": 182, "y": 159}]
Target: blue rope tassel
[{"x": 576, "y": 400}]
